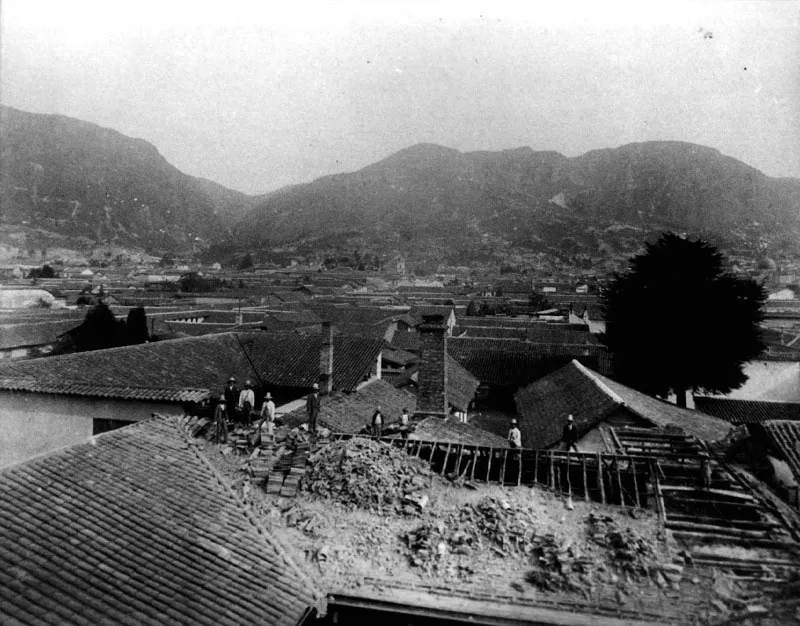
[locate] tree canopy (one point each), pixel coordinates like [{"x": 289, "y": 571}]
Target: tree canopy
[{"x": 679, "y": 320}]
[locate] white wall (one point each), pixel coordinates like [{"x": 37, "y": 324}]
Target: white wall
[
  {"x": 776, "y": 381},
  {"x": 32, "y": 424}
]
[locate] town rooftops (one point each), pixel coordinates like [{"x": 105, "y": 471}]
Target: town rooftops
[
  {"x": 746, "y": 411},
  {"x": 135, "y": 527},
  {"x": 34, "y": 334},
  {"x": 590, "y": 398}
]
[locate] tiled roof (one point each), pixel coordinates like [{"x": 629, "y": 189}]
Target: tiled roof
[
  {"x": 544, "y": 405},
  {"x": 290, "y": 360},
  {"x": 408, "y": 340},
  {"x": 746, "y": 411},
  {"x": 516, "y": 363},
  {"x": 137, "y": 528},
  {"x": 785, "y": 436},
  {"x": 538, "y": 333},
  {"x": 350, "y": 412},
  {"x": 34, "y": 334},
  {"x": 461, "y": 385},
  {"x": 162, "y": 367},
  {"x": 103, "y": 391},
  {"x": 450, "y": 430},
  {"x": 402, "y": 357}
]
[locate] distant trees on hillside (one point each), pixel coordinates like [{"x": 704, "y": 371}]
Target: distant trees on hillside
[
  {"x": 194, "y": 283},
  {"x": 42, "y": 272},
  {"x": 678, "y": 320}
]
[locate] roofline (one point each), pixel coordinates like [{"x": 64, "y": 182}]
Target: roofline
[{"x": 114, "y": 392}]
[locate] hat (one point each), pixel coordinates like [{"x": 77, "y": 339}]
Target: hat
[
  {"x": 569, "y": 418},
  {"x": 231, "y": 380},
  {"x": 513, "y": 421},
  {"x": 315, "y": 385},
  {"x": 247, "y": 383},
  {"x": 268, "y": 396}
]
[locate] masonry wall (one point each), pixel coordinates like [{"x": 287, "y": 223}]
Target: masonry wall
[
  {"x": 432, "y": 376},
  {"x": 32, "y": 424}
]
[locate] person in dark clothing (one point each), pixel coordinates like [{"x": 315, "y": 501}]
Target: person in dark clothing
[
  {"x": 220, "y": 423},
  {"x": 231, "y": 396},
  {"x": 570, "y": 435},
  {"x": 377, "y": 422},
  {"x": 312, "y": 409}
]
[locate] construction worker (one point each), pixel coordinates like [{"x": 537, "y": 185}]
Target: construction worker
[
  {"x": 231, "y": 396},
  {"x": 514, "y": 435},
  {"x": 312, "y": 409},
  {"x": 404, "y": 424},
  {"x": 220, "y": 422},
  {"x": 267, "y": 423},
  {"x": 377, "y": 422},
  {"x": 247, "y": 401},
  {"x": 570, "y": 435}
]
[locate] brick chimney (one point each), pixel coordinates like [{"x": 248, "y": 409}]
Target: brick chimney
[
  {"x": 432, "y": 377},
  {"x": 326, "y": 359}
]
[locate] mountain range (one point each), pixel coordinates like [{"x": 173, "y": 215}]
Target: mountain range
[{"x": 78, "y": 179}]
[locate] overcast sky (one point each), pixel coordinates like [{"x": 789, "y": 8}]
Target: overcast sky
[{"x": 259, "y": 95}]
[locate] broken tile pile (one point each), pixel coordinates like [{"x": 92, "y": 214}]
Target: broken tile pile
[
  {"x": 629, "y": 552},
  {"x": 371, "y": 475}
]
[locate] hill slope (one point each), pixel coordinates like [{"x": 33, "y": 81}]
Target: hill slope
[
  {"x": 81, "y": 180},
  {"x": 432, "y": 190}
]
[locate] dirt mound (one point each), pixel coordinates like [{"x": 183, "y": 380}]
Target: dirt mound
[{"x": 369, "y": 475}]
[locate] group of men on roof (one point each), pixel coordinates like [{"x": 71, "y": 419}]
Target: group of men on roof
[
  {"x": 569, "y": 435},
  {"x": 237, "y": 406}
]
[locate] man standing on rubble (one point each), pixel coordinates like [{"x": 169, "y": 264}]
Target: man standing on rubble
[
  {"x": 230, "y": 395},
  {"x": 514, "y": 436},
  {"x": 247, "y": 401},
  {"x": 312, "y": 410},
  {"x": 377, "y": 422},
  {"x": 570, "y": 435},
  {"x": 267, "y": 418},
  {"x": 220, "y": 423}
]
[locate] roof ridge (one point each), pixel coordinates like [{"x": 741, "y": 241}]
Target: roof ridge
[
  {"x": 179, "y": 425},
  {"x": 600, "y": 384}
]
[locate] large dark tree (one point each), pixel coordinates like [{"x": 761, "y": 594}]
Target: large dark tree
[{"x": 679, "y": 320}]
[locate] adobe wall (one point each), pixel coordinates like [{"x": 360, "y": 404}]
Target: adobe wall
[{"x": 32, "y": 424}]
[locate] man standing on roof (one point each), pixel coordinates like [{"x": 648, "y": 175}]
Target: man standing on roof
[
  {"x": 267, "y": 423},
  {"x": 404, "y": 424},
  {"x": 570, "y": 435},
  {"x": 377, "y": 422},
  {"x": 514, "y": 436},
  {"x": 312, "y": 410},
  {"x": 220, "y": 423},
  {"x": 230, "y": 395},
  {"x": 247, "y": 401}
]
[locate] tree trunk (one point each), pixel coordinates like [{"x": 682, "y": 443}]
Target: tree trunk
[{"x": 680, "y": 397}]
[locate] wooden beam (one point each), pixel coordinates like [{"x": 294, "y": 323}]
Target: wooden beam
[
  {"x": 503, "y": 468},
  {"x": 536, "y": 466},
  {"x": 552, "y": 472},
  {"x": 446, "y": 456},
  {"x": 458, "y": 461},
  {"x": 489, "y": 465},
  {"x": 619, "y": 481},
  {"x": 519, "y": 468},
  {"x": 600, "y": 480},
  {"x": 585, "y": 483},
  {"x": 418, "y": 449},
  {"x": 635, "y": 482},
  {"x": 475, "y": 454},
  {"x": 716, "y": 530}
]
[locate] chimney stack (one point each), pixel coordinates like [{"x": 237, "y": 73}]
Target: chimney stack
[
  {"x": 326, "y": 359},
  {"x": 432, "y": 377}
]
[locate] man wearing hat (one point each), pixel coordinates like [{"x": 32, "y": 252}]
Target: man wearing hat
[
  {"x": 230, "y": 395},
  {"x": 267, "y": 423},
  {"x": 247, "y": 401},
  {"x": 312, "y": 409},
  {"x": 514, "y": 436},
  {"x": 220, "y": 423},
  {"x": 570, "y": 435}
]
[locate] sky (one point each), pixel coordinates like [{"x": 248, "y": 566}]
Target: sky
[{"x": 258, "y": 95}]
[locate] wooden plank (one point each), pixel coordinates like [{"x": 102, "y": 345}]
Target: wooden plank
[
  {"x": 503, "y": 468},
  {"x": 489, "y": 465},
  {"x": 552, "y": 472},
  {"x": 446, "y": 456},
  {"x": 475, "y": 453},
  {"x": 600, "y": 480},
  {"x": 519, "y": 468},
  {"x": 724, "y": 522},
  {"x": 458, "y": 461},
  {"x": 585, "y": 482},
  {"x": 738, "y": 495},
  {"x": 619, "y": 482},
  {"x": 716, "y": 530},
  {"x": 569, "y": 477},
  {"x": 617, "y": 443},
  {"x": 418, "y": 448},
  {"x": 635, "y": 482},
  {"x": 536, "y": 466}
]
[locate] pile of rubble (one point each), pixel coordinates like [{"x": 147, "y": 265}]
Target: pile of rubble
[
  {"x": 371, "y": 475},
  {"x": 629, "y": 552}
]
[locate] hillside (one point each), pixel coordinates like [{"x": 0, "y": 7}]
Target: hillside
[
  {"x": 79, "y": 180},
  {"x": 525, "y": 196}
]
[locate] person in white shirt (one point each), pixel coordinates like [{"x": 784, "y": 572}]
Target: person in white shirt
[
  {"x": 247, "y": 401},
  {"x": 267, "y": 424},
  {"x": 514, "y": 435}
]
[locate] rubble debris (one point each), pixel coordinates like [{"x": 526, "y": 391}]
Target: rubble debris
[
  {"x": 630, "y": 553},
  {"x": 370, "y": 475}
]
